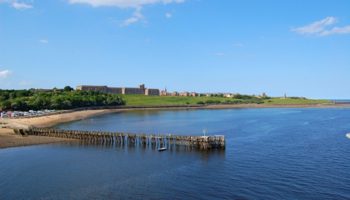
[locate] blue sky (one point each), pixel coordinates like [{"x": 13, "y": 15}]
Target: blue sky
[{"x": 297, "y": 47}]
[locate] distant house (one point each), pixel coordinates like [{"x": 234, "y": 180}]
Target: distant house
[
  {"x": 164, "y": 93},
  {"x": 184, "y": 94},
  {"x": 194, "y": 94},
  {"x": 229, "y": 95},
  {"x": 175, "y": 94}
]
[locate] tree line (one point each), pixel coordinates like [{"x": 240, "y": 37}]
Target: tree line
[{"x": 57, "y": 99}]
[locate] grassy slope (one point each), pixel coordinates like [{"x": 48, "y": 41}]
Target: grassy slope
[
  {"x": 141, "y": 100},
  {"x": 287, "y": 101}
]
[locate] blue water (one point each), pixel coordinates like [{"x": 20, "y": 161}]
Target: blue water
[{"x": 270, "y": 154}]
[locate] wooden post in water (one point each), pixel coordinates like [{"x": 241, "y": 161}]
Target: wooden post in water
[{"x": 109, "y": 138}]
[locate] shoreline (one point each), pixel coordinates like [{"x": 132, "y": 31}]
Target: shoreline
[
  {"x": 54, "y": 119},
  {"x": 228, "y": 106},
  {"x": 9, "y": 139}
]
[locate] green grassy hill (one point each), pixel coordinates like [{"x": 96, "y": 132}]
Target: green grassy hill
[{"x": 141, "y": 100}]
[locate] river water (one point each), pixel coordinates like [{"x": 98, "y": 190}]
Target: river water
[{"x": 270, "y": 153}]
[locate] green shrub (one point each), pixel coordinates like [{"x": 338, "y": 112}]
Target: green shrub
[{"x": 55, "y": 99}]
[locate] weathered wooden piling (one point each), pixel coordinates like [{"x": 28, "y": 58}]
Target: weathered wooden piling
[{"x": 111, "y": 138}]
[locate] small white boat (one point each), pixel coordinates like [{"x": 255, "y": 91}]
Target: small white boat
[
  {"x": 348, "y": 135},
  {"x": 162, "y": 149}
]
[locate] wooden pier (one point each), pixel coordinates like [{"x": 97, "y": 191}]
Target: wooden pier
[{"x": 117, "y": 138}]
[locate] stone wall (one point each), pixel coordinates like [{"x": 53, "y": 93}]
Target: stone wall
[
  {"x": 133, "y": 91},
  {"x": 152, "y": 92}
]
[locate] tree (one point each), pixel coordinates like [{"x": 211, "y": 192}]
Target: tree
[
  {"x": 19, "y": 104},
  {"x": 5, "y": 105},
  {"x": 68, "y": 89},
  {"x": 55, "y": 99}
]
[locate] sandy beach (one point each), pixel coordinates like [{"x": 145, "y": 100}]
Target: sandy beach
[
  {"x": 9, "y": 139},
  {"x": 51, "y": 120}
]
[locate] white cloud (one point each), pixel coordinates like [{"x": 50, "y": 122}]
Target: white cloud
[
  {"x": 316, "y": 27},
  {"x": 168, "y": 15},
  {"x": 323, "y": 27},
  {"x": 43, "y": 41},
  {"x": 4, "y": 73},
  {"x": 122, "y": 3},
  {"x": 337, "y": 30},
  {"x": 136, "y": 4},
  {"x": 136, "y": 17},
  {"x": 21, "y": 5}
]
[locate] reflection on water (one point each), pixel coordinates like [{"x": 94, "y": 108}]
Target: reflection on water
[{"x": 176, "y": 149}]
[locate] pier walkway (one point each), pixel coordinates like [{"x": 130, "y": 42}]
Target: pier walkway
[{"x": 115, "y": 138}]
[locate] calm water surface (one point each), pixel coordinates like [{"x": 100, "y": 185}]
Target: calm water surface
[{"x": 270, "y": 154}]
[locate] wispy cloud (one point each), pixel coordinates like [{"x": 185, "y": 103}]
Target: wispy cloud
[
  {"x": 19, "y": 5},
  {"x": 323, "y": 27},
  {"x": 316, "y": 27},
  {"x": 135, "y": 4},
  {"x": 5, "y": 73},
  {"x": 136, "y": 17},
  {"x": 337, "y": 30},
  {"x": 123, "y": 3},
  {"x": 168, "y": 15},
  {"x": 44, "y": 41}
]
